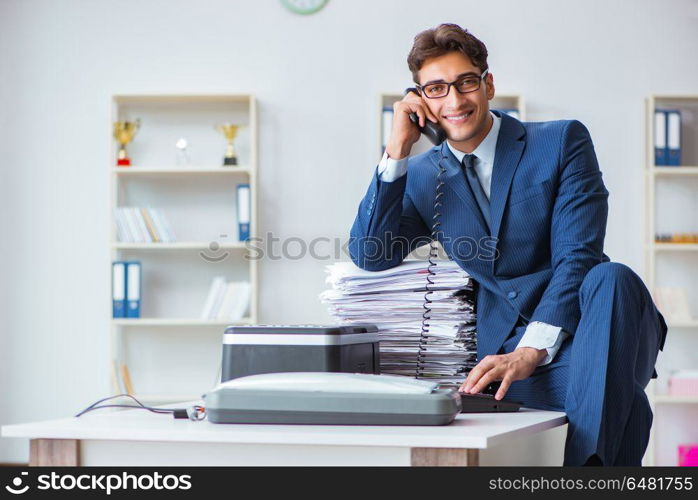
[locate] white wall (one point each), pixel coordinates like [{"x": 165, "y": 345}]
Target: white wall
[{"x": 317, "y": 79}]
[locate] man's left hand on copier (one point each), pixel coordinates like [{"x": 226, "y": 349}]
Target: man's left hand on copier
[{"x": 516, "y": 365}]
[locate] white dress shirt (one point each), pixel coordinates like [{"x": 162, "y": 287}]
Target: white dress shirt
[{"x": 538, "y": 334}]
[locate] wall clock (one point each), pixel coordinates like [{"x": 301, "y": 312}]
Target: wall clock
[{"x": 304, "y": 7}]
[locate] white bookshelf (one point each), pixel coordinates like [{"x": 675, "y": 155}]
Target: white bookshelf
[
  {"x": 683, "y": 324},
  {"x": 671, "y": 194},
  {"x": 666, "y": 399},
  {"x": 674, "y": 247},
  {"x": 171, "y": 353},
  {"x": 673, "y": 171}
]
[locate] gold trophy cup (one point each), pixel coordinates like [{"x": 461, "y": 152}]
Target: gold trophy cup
[
  {"x": 124, "y": 133},
  {"x": 229, "y": 131}
]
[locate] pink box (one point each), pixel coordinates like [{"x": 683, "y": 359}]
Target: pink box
[
  {"x": 683, "y": 386},
  {"x": 688, "y": 455}
]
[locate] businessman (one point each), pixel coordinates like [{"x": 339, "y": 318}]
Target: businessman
[{"x": 559, "y": 327}]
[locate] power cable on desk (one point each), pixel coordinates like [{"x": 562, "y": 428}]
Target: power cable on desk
[{"x": 195, "y": 412}]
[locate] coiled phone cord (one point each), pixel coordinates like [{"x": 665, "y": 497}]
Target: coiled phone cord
[{"x": 433, "y": 255}]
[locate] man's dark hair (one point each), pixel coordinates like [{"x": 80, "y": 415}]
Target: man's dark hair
[{"x": 445, "y": 38}]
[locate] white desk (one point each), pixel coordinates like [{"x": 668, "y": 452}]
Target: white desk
[{"x": 138, "y": 437}]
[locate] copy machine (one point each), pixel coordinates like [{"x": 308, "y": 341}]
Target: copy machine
[{"x": 331, "y": 398}]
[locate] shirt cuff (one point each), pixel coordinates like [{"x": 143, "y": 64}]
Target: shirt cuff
[
  {"x": 390, "y": 170},
  {"x": 541, "y": 335}
]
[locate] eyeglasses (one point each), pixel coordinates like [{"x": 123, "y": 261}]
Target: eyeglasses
[{"x": 464, "y": 85}]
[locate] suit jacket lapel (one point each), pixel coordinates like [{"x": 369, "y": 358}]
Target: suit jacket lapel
[{"x": 510, "y": 146}]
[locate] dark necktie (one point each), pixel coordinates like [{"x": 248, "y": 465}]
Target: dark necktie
[{"x": 476, "y": 187}]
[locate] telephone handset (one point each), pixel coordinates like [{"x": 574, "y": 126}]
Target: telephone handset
[{"x": 431, "y": 130}]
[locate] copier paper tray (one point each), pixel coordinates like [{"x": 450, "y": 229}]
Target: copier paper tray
[{"x": 331, "y": 399}]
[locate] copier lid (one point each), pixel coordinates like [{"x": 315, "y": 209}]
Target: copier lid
[
  {"x": 301, "y": 334},
  {"x": 332, "y": 382}
]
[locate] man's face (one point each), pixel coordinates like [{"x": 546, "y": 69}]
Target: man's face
[{"x": 464, "y": 117}]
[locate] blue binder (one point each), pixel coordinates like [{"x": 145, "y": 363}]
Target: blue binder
[
  {"x": 118, "y": 289},
  {"x": 133, "y": 289},
  {"x": 513, "y": 112},
  {"x": 660, "y": 137},
  {"x": 673, "y": 137},
  {"x": 386, "y": 125},
  {"x": 243, "y": 206}
]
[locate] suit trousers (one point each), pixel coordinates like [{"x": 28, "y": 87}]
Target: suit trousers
[{"x": 599, "y": 374}]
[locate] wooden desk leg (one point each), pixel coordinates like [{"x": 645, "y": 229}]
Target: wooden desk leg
[
  {"x": 54, "y": 452},
  {"x": 444, "y": 457}
]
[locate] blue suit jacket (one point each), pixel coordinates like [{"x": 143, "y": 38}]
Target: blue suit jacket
[{"x": 548, "y": 209}]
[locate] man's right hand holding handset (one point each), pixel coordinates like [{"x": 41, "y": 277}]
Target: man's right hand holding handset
[{"x": 404, "y": 133}]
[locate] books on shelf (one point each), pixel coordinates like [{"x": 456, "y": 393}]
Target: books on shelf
[
  {"x": 226, "y": 300},
  {"x": 676, "y": 238},
  {"x": 143, "y": 225},
  {"x": 672, "y": 302}
]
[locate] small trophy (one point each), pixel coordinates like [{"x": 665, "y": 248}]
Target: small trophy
[
  {"x": 124, "y": 133},
  {"x": 182, "y": 155},
  {"x": 229, "y": 131}
]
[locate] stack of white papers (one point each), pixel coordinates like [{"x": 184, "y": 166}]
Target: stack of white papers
[{"x": 393, "y": 301}]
